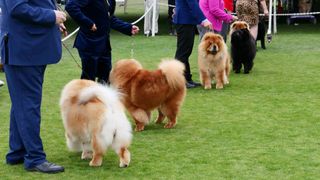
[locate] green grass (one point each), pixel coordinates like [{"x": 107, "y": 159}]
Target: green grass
[{"x": 264, "y": 125}]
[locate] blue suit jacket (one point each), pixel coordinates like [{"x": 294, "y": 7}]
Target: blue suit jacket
[
  {"x": 99, "y": 12},
  {"x": 188, "y": 12},
  {"x": 29, "y": 35}
]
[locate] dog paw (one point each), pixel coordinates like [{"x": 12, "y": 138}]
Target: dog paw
[
  {"x": 207, "y": 87},
  {"x": 139, "y": 128},
  {"x": 219, "y": 86},
  {"x": 169, "y": 125},
  {"x": 123, "y": 165},
  {"x": 95, "y": 163},
  {"x": 86, "y": 155}
]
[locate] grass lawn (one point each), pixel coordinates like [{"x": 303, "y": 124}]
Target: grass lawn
[{"x": 265, "y": 125}]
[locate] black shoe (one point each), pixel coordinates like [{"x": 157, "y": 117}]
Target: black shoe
[
  {"x": 196, "y": 84},
  {"x": 47, "y": 167}
]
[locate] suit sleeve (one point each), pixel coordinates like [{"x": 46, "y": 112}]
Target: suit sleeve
[
  {"x": 20, "y": 9},
  {"x": 73, "y": 7},
  {"x": 121, "y": 26},
  {"x": 195, "y": 10},
  {"x": 217, "y": 12}
]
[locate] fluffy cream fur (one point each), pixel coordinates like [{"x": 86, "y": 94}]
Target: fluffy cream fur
[{"x": 94, "y": 120}]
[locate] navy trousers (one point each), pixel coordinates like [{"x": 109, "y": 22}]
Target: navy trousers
[
  {"x": 95, "y": 66},
  {"x": 25, "y": 89}
]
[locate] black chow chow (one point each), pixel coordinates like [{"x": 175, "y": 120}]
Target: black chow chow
[
  {"x": 243, "y": 48},
  {"x": 261, "y": 34}
]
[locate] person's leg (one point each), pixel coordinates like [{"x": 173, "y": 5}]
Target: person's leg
[
  {"x": 104, "y": 68},
  {"x": 148, "y": 18},
  {"x": 225, "y": 30},
  {"x": 16, "y": 148},
  {"x": 89, "y": 66},
  {"x": 156, "y": 21},
  {"x": 25, "y": 89},
  {"x": 254, "y": 31},
  {"x": 185, "y": 41}
]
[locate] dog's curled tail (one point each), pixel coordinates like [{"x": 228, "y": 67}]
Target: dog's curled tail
[
  {"x": 107, "y": 95},
  {"x": 173, "y": 70}
]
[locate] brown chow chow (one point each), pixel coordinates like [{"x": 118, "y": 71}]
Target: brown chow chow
[
  {"x": 213, "y": 61},
  {"x": 146, "y": 90},
  {"x": 94, "y": 120}
]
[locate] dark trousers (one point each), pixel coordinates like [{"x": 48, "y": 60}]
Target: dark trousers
[
  {"x": 95, "y": 66},
  {"x": 25, "y": 89},
  {"x": 185, "y": 41},
  {"x": 225, "y": 30}
]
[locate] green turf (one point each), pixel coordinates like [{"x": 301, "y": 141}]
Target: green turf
[{"x": 264, "y": 125}]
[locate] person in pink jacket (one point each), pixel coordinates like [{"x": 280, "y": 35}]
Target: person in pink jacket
[{"x": 215, "y": 13}]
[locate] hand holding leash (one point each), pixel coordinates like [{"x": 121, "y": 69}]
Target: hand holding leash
[
  {"x": 63, "y": 29},
  {"x": 135, "y": 30},
  {"x": 60, "y": 17}
]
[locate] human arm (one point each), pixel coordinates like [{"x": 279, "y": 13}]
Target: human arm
[
  {"x": 73, "y": 7},
  {"x": 214, "y": 10},
  {"x": 22, "y": 10},
  {"x": 264, "y": 7},
  {"x": 195, "y": 10},
  {"x": 121, "y": 26}
]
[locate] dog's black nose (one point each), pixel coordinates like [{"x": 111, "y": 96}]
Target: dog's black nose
[{"x": 214, "y": 50}]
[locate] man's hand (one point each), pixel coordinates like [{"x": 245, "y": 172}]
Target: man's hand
[
  {"x": 63, "y": 29},
  {"x": 135, "y": 30},
  {"x": 94, "y": 28},
  {"x": 60, "y": 17}
]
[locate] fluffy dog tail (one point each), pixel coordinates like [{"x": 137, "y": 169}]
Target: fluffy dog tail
[
  {"x": 107, "y": 95},
  {"x": 173, "y": 70}
]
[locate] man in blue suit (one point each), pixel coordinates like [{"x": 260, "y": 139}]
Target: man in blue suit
[
  {"x": 187, "y": 15},
  {"x": 95, "y": 18},
  {"x": 30, "y": 40}
]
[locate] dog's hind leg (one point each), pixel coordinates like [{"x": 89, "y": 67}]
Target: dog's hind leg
[
  {"x": 226, "y": 72},
  {"x": 225, "y": 77},
  {"x": 248, "y": 66},
  {"x": 171, "y": 109},
  {"x": 140, "y": 117},
  {"x": 73, "y": 144},
  {"x": 98, "y": 149},
  {"x": 236, "y": 66},
  {"x": 160, "y": 117},
  {"x": 86, "y": 151},
  {"x": 124, "y": 156}
]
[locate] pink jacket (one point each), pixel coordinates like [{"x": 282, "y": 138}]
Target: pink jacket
[{"x": 214, "y": 12}]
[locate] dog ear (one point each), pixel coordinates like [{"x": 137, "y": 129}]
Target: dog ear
[
  {"x": 206, "y": 37},
  {"x": 233, "y": 25}
]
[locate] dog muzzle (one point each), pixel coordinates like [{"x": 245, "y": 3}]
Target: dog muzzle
[{"x": 213, "y": 50}]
